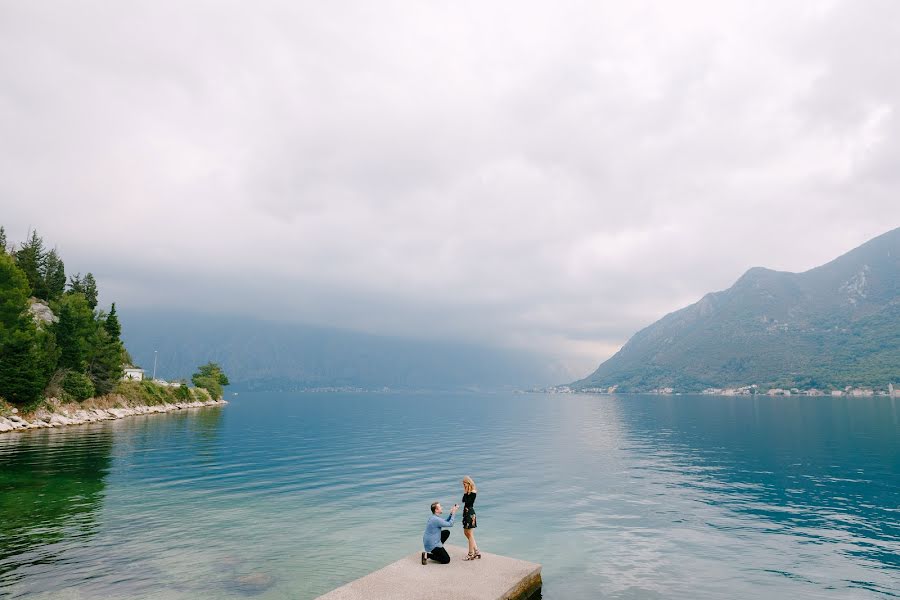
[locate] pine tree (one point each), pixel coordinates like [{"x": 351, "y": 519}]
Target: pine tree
[
  {"x": 105, "y": 368},
  {"x": 74, "y": 332},
  {"x": 54, "y": 275},
  {"x": 76, "y": 285},
  {"x": 90, "y": 290},
  {"x": 14, "y": 293},
  {"x": 25, "y": 352},
  {"x": 24, "y": 365},
  {"x": 108, "y": 354},
  {"x": 30, "y": 258},
  {"x": 112, "y": 325}
]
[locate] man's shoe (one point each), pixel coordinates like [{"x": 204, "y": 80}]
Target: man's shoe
[{"x": 424, "y": 558}]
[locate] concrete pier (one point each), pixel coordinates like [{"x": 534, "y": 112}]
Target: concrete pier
[{"x": 491, "y": 577}]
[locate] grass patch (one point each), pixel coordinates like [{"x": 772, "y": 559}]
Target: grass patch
[
  {"x": 127, "y": 394},
  {"x": 149, "y": 393},
  {"x": 6, "y": 409}
]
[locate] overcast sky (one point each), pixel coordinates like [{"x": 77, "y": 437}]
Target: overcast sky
[{"x": 553, "y": 175}]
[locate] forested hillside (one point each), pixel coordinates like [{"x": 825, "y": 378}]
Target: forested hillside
[{"x": 54, "y": 339}]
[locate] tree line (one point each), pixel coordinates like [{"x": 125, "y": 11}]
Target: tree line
[{"x": 76, "y": 352}]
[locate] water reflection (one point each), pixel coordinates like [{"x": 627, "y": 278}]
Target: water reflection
[
  {"x": 51, "y": 488},
  {"x": 812, "y": 482}
]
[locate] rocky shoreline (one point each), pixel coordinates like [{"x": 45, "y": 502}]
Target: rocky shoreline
[{"x": 43, "y": 419}]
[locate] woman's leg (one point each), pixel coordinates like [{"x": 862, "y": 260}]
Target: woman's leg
[{"x": 468, "y": 534}]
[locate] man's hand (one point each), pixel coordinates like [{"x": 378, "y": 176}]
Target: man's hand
[{"x": 454, "y": 509}]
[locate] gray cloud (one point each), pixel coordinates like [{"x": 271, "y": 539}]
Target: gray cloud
[{"x": 551, "y": 176}]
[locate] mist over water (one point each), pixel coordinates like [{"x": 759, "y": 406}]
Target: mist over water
[{"x": 290, "y": 495}]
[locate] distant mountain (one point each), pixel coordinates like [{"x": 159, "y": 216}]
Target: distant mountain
[
  {"x": 832, "y": 326},
  {"x": 267, "y": 355}
]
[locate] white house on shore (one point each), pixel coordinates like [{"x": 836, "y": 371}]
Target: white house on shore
[{"x": 133, "y": 374}]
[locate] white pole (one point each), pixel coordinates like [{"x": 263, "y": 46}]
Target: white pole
[{"x": 154, "y": 365}]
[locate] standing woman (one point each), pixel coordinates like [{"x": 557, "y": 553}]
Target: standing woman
[{"x": 468, "y": 521}]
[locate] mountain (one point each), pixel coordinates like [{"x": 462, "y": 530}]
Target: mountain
[
  {"x": 268, "y": 355},
  {"x": 832, "y": 326}
]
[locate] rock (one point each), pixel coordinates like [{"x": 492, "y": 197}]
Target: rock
[
  {"x": 83, "y": 415},
  {"x": 15, "y": 410},
  {"x": 253, "y": 583},
  {"x": 41, "y": 313},
  {"x": 58, "y": 421},
  {"x": 16, "y": 419},
  {"x": 5, "y": 426}
]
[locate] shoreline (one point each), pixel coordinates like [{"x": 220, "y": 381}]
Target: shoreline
[{"x": 43, "y": 419}]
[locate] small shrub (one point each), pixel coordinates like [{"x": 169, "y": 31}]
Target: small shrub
[
  {"x": 153, "y": 393},
  {"x": 6, "y": 409},
  {"x": 183, "y": 392},
  {"x": 77, "y": 386}
]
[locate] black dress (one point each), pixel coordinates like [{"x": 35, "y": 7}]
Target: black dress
[{"x": 469, "y": 511}]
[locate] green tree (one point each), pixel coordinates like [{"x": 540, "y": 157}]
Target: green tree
[
  {"x": 90, "y": 290},
  {"x": 30, "y": 257},
  {"x": 112, "y": 325},
  {"x": 210, "y": 377},
  {"x": 27, "y": 354},
  {"x": 14, "y": 294},
  {"x": 54, "y": 275},
  {"x": 74, "y": 332},
  {"x": 107, "y": 354},
  {"x": 24, "y": 365},
  {"x": 2, "y": 240},
  {"x": 76, "y": 284},
  {"x": 86, "y": 286}
]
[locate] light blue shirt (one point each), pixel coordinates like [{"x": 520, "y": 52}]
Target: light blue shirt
[{"x": 432, "y": 537}]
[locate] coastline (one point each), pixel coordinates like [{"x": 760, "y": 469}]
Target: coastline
[{"x": 65, "y": 415}]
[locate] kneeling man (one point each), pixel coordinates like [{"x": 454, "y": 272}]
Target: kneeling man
[{"x": 434, "y": 537}]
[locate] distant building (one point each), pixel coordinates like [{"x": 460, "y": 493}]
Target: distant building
[
  {"x": 133, "y": 374},
  {"x": 837, "y": 393},
  {"x": 891, "y": 391}
]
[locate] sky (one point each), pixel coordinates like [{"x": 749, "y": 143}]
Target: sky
[{"x": 551, "y": 176}]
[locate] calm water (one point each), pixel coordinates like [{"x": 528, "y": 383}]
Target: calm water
[{"x": 288, "y": 496}]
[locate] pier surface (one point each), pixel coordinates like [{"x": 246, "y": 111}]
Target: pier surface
[{"x": 491, "y": 577}]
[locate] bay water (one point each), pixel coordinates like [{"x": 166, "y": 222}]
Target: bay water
[{"x": 289, "y": 495}]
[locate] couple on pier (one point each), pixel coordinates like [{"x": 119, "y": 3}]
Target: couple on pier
[{"x": 437, "y": 529}]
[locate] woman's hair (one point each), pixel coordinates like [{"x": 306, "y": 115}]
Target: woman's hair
[{"x": 468, "y": 484}]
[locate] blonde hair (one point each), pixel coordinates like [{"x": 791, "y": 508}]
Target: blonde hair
[{"x": 468, "y": 484}]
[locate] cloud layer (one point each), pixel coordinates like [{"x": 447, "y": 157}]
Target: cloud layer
[{"x": 543, "y": 175}]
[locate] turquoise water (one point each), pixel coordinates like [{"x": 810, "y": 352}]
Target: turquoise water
[{"x": 288, "y": 496}]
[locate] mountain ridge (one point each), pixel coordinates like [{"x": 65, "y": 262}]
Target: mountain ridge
[
  {"x": 834, "y": 325},
  {"x": 281, "y": 356}
]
